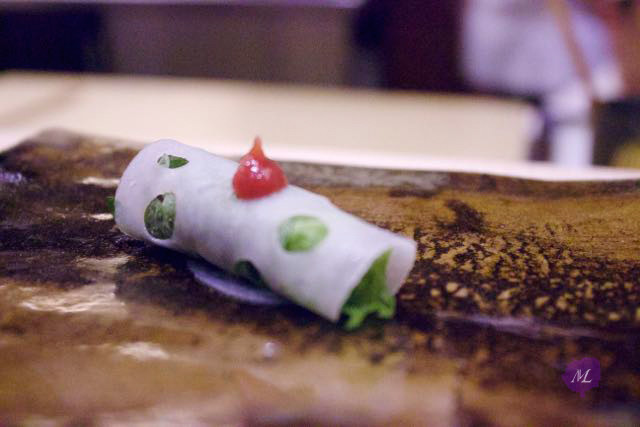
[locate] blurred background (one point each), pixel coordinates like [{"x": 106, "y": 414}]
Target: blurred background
[{"x": 553, "y": 80}]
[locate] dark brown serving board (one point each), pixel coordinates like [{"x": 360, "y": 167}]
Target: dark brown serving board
[{"x": 514, "y": 280}]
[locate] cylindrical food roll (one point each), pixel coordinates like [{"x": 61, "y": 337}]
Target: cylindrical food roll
[{"x": 302, "y": 245}]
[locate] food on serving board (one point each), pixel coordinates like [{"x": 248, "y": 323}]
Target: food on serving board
[{"x": 247, "y": 220}]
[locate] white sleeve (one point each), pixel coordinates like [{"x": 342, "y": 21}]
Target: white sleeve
[{"x": 212, "y": 223}]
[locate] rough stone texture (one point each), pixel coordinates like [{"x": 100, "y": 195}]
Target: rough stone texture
[{"x": 514, "y": 280}]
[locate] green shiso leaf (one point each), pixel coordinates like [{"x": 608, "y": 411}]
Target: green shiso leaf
[
  {"x": 111, "y": 205},
  {"x": 246, "y": 270},
  {"x": 160, "y": 216},
  {"x": 172, "y": 162},
  {"x": 301, "y": 233},
  {"x": 370, "y": 296}
]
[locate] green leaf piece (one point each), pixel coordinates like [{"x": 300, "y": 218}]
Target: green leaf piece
[
  {"x": 370, "y": 296},
  {"x": 172, "y": 162},
  {"x": 246, "y": 270},
  {"x": 301, "y": 233},
  {"x": 111, "y": 205},
  {"x": 160, "y": 216}
]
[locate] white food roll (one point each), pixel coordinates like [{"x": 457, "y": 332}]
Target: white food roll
[{"x": 210, "y": 221}]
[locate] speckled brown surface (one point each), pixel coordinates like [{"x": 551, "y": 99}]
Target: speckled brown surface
[{"x": 514, "y": 279}]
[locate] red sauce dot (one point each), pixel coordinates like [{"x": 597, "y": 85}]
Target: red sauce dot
[{"x": 257, "y": 176}]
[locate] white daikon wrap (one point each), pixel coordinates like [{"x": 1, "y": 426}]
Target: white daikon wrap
[{"x": 212, "y": 223}]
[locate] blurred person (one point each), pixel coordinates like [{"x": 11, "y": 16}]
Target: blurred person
[
  {"x": 618, "y": 122},
  {"x": 566, "y": 54}
]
